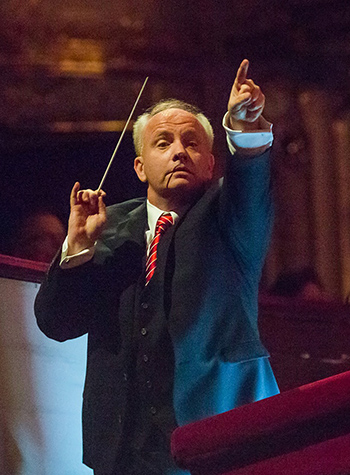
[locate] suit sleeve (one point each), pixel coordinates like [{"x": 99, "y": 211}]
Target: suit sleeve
[
  {"x": 246, "y": 210},
  {"x": 64, "y": 305}
]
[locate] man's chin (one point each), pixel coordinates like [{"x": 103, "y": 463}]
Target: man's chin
[
  {"x": 184, "y": 187},
  {"x": 183, "y": 182}
]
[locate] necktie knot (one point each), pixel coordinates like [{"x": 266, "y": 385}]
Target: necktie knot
[{"x": 164, "y": 222}]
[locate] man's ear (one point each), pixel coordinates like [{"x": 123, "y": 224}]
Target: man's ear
[{"x": 139, "y": 169}]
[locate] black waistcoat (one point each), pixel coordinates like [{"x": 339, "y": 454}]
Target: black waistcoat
[{"x": 150, "y": 418}]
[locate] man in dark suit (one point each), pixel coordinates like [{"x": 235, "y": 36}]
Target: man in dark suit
[{"x": 171, "y": 318}]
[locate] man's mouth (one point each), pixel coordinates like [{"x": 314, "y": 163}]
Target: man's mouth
[{"x": 180, "y": 169}]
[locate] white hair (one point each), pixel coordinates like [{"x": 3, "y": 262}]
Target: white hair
[{"x": 161, "y": 106}]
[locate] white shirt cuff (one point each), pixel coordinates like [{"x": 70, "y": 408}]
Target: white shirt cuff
[
  {"x": 248, "y": 140},
  {"x": 75, "y": 260}
]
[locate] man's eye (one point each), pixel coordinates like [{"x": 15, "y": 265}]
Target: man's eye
[
  {"x": 162, "y": 144},
  {"x": 193, "y": 144}
]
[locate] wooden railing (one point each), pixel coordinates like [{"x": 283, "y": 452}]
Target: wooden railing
[{"x": 308, "y": 340}]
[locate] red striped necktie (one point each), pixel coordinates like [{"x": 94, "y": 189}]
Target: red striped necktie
[{"x": 164, "y": 222}]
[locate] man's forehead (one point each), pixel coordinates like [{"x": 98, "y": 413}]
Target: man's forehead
[{"x": 170, "y": 118}]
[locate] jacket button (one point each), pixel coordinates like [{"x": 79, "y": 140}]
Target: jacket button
[
  {"x": 153, "y": 410},
  {"x": 144, "y": 305},
  {"x": 145, "y": 358},
  {"x": 149, "y": 383},
  {"x": 125, "y": 376},
  {"x": 144, "y": 331},
  {"x": 119, "y": 419}
]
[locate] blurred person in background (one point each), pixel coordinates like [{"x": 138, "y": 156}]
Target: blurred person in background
[
  {"x": 301, "y": 283},
  {"x": 36, "y": 236}
]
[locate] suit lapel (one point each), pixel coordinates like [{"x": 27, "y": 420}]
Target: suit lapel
[{"x": 131, "y": 227}]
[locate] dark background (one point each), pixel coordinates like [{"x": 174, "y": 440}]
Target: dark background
[{"x": 71, "y": 68}]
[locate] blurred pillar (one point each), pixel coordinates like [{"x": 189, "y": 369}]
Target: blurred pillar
[
  {"x": 316, "y": 113},
  {"x": 341, "y": 135}
]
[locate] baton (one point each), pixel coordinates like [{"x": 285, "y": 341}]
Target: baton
[{"x": 121, "y": 136}]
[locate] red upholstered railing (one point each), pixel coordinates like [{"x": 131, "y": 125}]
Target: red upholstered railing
[
  {"x": 22, "y": 269},
  {"x": 252, "y": 439}
]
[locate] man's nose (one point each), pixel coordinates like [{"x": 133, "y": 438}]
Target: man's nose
[{"x": 180, "y": 152}]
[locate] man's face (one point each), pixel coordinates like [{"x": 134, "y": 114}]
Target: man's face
[{"x": 176, "y": 159}]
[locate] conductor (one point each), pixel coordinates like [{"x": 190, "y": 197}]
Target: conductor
[{"x": 166, "y": 286}]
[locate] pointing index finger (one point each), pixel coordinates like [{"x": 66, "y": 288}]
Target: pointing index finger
[
  {"x": 74, "y": 194},
  {"x": 242, "y": 73}
]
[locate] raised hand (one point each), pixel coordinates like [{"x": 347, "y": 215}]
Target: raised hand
[
  {"x": 246, "y": 101},
  {"x": 87, "y": 218}
]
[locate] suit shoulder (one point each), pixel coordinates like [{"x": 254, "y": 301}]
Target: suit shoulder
[{"x": 120, "y": 210}]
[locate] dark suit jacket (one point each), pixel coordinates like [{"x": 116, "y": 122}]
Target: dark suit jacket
[{"x": 209, "y": 266}]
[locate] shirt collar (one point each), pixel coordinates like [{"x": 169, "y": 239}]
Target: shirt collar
[{"x": 153, "y": 213}]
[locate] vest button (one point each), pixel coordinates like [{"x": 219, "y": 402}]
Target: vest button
[
  {"x": 153, "y": 410},
  {"x": 149, "y": 383},
  {"x": 145, "y": 358},
  {"x": 125, "y": 376},
  {"x": 144, "y": 331},
  {"x": 144, "y": 305}
]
